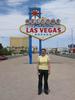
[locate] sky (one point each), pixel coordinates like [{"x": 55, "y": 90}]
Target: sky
[{"x": 14, "y": 12}]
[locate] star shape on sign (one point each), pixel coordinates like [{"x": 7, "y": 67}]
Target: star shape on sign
[{"x": 35, "y": 12}]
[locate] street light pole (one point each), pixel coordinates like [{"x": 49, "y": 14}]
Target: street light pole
[{"x": 72, "y": 39}]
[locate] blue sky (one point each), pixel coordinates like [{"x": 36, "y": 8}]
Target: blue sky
[{"x": 14, "y": 12}]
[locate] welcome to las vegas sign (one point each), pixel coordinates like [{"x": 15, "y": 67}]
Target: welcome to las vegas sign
[{"x": 42, "y": 28}]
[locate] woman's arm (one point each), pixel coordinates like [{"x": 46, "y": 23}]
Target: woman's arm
[
  {"x": 38, "y": 65},
  {"x": 49, "y": 66}
]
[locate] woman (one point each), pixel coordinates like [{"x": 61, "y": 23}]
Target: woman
[{"x": 43, "y": 71}]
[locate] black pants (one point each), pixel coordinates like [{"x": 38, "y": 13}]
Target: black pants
[{"x": 43, "y": 73}]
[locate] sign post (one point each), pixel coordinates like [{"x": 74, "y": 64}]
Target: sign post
[
  {"x": 33, "y": 12},
  {"x": 30, "y": 49},
  {"x": 30, "y": 41},
  {"x": 40, "y": 47}
]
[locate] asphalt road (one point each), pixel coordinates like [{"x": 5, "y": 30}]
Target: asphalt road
[{"x": 18, "y": 79}]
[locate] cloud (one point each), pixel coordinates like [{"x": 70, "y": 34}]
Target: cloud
[
  {"x": 15, "y": 2},
  {"x": 65, "y": 10},
  {"x": 21, "y": 6},
  {"x": 9, "y": 25},
  {"x": 14, "y": 12}
]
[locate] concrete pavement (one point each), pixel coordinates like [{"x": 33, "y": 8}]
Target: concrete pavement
[{"x": 18, "y": 79}]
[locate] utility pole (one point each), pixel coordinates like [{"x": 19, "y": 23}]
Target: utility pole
[{"x": 72, "y": 39}]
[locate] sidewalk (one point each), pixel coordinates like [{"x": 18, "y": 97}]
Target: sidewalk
[{"x": 18, "y": 79}]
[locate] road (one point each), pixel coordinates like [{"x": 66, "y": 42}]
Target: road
[{"x": 18, "y": 79}]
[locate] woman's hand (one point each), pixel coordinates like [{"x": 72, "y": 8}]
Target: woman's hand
[
  {"x": 38, "y": 72},
  {"x": 48, "y": 72}
]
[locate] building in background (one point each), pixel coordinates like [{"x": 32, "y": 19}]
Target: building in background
[
  {"x": 35, "y": 49},
  {"x": 71, "y": 48},
  {"x": 19, "y": 44}
]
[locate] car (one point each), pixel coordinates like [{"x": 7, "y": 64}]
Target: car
[
  {"x": 2, "y": 57},
  {"x": 64, "y": 53}
]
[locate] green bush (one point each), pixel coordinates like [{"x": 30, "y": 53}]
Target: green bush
[
  {"x": 23, "y": 51},
  {"x": 4, "y": 51}
]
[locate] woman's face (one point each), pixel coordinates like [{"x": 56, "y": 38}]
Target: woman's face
[{"x": 43, "y": 52}]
